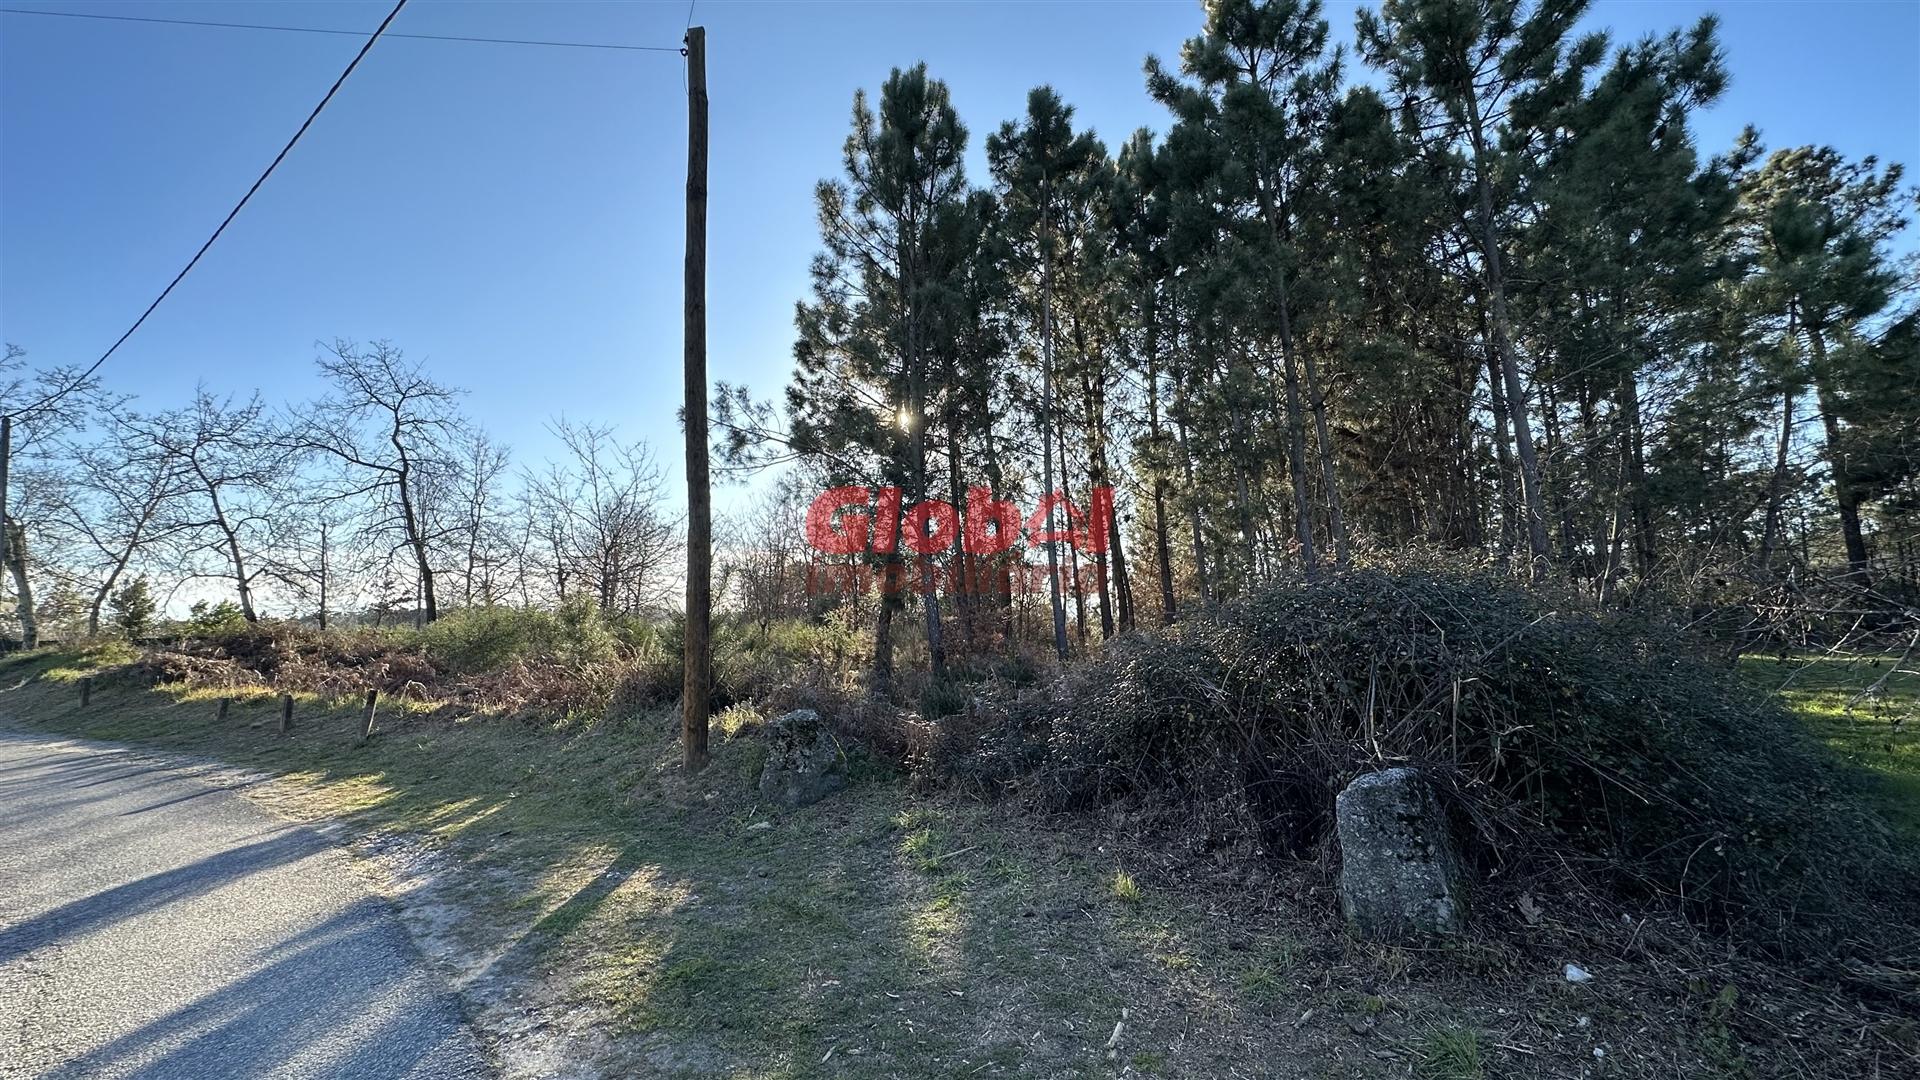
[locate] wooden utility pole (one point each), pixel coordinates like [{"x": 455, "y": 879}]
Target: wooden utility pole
[
  {"x": 697, "y": 682},
  {"x": 6, "y": 462}
]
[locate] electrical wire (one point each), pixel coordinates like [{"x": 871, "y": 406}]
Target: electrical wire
[
  {"x": 231, "y": 214},
  {"x": 350, "y": 33}
]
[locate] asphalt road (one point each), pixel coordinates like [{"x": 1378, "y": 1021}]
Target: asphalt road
[{"x": 156, "y": 926}]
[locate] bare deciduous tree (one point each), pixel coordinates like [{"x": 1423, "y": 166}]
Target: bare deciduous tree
[
  {"x": 121, "y": 495},
  {"x": 388, "y": 429},
  {"x": 763, "y": 558},
  {"x": 601, "y": 516}
]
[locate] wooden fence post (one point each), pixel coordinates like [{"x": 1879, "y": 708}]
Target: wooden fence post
[
  {"x": 366, "y": 722},
  {"x": 86, "y": 691},
  {"x": 221, "y": 712},
  {"x": 286, "y": 714}
]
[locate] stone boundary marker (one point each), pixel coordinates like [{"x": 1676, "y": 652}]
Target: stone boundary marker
[{"x": 1401, "y": 877}]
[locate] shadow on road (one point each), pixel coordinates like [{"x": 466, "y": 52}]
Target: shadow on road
[
  {"x": 319, "y": 1009},
  {"x": 137, "y": 897}
]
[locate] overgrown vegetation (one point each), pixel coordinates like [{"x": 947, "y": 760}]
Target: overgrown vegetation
[
  {"x": 1188, "y": 759},
  {"x": 1603, "y": 747},
  {"x": 1600, "y": 747},
  {"x": 573, "y": 662}
]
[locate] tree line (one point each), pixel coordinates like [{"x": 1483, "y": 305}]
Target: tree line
[
  {"x": 379, "y": 502},
  {"x": 1494, "y": 299}
]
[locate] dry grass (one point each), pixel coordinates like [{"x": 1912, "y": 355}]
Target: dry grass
[{"x": 681, "y": 929}]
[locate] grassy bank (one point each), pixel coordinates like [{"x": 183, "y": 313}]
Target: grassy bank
[{"x": 682, "y": 929}]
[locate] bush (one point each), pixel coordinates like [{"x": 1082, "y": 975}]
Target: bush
[
  {"x": 133, "y": 608},
  {"x": 1563, "y": 738},
  {"x": 206, "y": 620},
  {"x": 480, "y": 639},
  {"x": 488, "y": 639},
  {"x": 650, "y": 681}
]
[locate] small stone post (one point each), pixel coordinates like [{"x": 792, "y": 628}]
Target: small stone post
[{"x": 1401, "y": 878}]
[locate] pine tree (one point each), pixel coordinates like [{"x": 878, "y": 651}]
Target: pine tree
[
  {"x": 866, "y": 356},
  {"x": 1263, "y": 85},
  {"x": 134, "y": 607},
  {"x": 1139, "y": 216},
  {"x": 1047, "y": 176},
  {"x": 1461, "y": 67},
  {"x": 1819, "y": 226},
  {"x": 1620, "y": 257}
]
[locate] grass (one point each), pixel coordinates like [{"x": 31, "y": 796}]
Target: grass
[
  {"x": 687, "y": 930},
  {"x": 1879, "y": 733},
  {"x": 715, "y": 936},
  {"x": 1451, "y": 1053}
]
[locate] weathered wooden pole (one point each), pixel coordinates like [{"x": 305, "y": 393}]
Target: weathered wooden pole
[
  {"x": 286, "y": 714},
  {"x": 86, "y": 691},
  {"x": 6, "y": 463},
  {"x": 366, "y": 721},
  {"x": 220, "y": 713},
  {"x": 696, "y": 681}
]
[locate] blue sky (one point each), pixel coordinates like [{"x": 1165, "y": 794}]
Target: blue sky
[{"x": 513, "y": 215}]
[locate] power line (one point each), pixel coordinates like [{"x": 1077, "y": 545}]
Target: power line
[
  {"x": 231, "y": 214},
  {"x": 349, "y": 33}
]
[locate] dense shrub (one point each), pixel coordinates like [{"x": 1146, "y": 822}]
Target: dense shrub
[
  {"x": 483, "y": 638},
  {"x": 573, "y": 661},
  {"x": 1608, "y": 745},
  {"x": 648, "y": 681},
  {"x": 208, "y": 620},
  {"x": 487, "y": 639}
]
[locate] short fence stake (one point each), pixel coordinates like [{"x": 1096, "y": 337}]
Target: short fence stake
[
  {"x": 86, "y": 692},
  {"x": 286, "y": 714},
  {"x": 366, "y": 722},
  {"x": 221, "y": 712}
]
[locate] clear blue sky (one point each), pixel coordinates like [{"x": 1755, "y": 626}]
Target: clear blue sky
[{"x": 513, "y": 215}]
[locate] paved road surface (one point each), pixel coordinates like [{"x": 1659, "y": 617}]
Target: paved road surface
[{"x": 158, "y": 927}]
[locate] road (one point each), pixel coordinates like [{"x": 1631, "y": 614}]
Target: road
[{"x": 153, "y": 925}]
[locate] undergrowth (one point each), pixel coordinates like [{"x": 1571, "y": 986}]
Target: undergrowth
[{"x": 1612, "y": 752}]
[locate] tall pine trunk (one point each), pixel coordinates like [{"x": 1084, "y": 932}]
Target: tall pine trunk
[
  {"x": 1046, "y": 427},
  {"x": 1777, "y": 483},
  {"x": 1296, "y": 423},
  {"x": 1845, "y": 494},
  {"x": 1163, "y": 555},
  {"x": 1503, "y": 456},
  {"x": 1536, "y": 524}
]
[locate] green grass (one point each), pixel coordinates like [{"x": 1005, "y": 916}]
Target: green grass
[
  {"x": 1879, "y": 733},
  {"x": 879, "y": 933},
  {"x": 1451, "y": 1053},
  {"x": 715, "y": 935}
]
